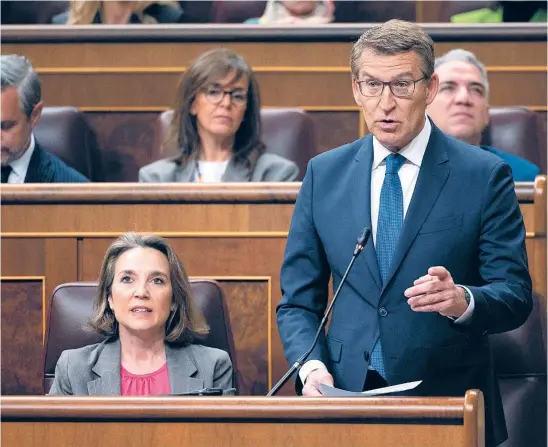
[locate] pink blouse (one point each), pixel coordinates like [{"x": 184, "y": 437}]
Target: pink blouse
[{"x": 151, "y": 384}]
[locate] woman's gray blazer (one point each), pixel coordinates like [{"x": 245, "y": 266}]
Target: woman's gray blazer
[{"x": 95, "y": 369}]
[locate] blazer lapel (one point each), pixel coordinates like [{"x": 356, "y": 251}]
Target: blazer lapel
[
  {"x": 181, "y": 367},
  {"x": 236, "y": 172},
  {"x": 433, "y": 174},
  {"x": 108, "y": 370},
  {"x": 361, "y": 191},
  {"x": 184, "y": 173},
  {"x": 39, "y": 169}
]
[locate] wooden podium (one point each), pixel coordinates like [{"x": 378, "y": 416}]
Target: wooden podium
[{"x": 45, "y": 421}]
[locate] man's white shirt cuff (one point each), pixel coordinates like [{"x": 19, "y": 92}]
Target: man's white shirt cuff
[
  {"x": 465, "y": 317},
  {"x": 308, "y": 367}
]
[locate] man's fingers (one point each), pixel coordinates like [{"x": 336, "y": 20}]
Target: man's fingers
[
  {"x": 427, "y": 287},
  {"x": 422, "y": 280},
  {"x": 311, "y": 390},
  {"x": 441, "y": 272},
  {"x": 427, "y": 300},
  {"x": 316, "y": 377}
]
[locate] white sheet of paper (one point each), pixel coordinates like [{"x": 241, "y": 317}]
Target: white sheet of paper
[{"x": 337, "y": 392}]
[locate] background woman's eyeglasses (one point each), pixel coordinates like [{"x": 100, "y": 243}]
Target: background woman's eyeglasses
[
  {"x": 215, "y": 95},
  {"x": 401, "y": 88}
]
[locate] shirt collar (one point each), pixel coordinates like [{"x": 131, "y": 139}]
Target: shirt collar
[
  {"x": 21, "y": 165},
  {"x": 413, "y": 152}
]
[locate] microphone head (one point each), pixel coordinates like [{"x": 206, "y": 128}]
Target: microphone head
[{"x": 362, "y": 239}]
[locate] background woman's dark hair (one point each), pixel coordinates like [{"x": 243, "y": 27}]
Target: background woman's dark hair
[
  {"x": 185, "y": 323},
  {"x": 211, "y": 67}
]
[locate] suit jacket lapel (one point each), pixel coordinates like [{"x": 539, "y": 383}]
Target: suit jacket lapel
[
  {"x": 39, "y": 169},
  {"x": 184, "y": 173},
  {"x": 108, "y": 370},
  {"x": 433, "y": 174},
  {"x": 236, "y": 172},
  {"x": 181, "y": 367},
  {"x": 361, "y": 191}
]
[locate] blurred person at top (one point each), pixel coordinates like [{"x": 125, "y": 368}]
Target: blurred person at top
[
  {"x": 296, "y": 12},
  {"x": 91, "y": 12}
]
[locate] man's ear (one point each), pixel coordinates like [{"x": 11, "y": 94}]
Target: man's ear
[
  {"x": 36, "y": 113},
  {"x": 486, "y": 116},
  {"x": 356, "y": 91},
  {"x": 432, "y": 88}
]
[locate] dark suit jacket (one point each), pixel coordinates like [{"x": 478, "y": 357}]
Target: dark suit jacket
[
  {"x": 464, "y": 215},
  {"x": 47, "y": 168},
  {"x": 95, "y": 369}
]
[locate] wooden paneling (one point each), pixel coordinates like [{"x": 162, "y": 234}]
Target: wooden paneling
[
  {"x": 52, "y": 434},
  {"x": 250, "y": 312},
  {"x": 22, "y": 330},
  {"x": 243, "y": 422},
  {"x": 142, "y": 75},
  {"x": 291, "y": 88}
]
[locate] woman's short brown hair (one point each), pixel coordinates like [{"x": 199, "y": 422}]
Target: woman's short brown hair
[
  {"x": 185, "y": 323},
  {"x": 207, "y": 69}
]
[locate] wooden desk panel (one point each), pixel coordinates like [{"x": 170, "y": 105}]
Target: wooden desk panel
[
  {"x": 243, "y": 422},
  {"x": 235, "y": 233}
]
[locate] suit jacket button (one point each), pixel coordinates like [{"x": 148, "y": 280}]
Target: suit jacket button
[
  {"x": 383, "y": 312},
  {"x": 366, "y": 356}
]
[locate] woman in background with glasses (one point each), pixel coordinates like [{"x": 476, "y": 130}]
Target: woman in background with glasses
[{"x": 216, "y": 128}]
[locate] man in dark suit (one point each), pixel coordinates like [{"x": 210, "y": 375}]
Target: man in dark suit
[
  {"x": 446, "y": 264},
  {"x": 22, "y": 158}
]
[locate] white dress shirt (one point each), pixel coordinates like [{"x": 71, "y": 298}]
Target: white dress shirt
[
  {"x": 211, "y": 171},
  {"x": 20, "y": 166},
  {"x": 408, "y": 173}
]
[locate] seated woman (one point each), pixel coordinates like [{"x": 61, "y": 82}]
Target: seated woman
[
  {"x": 216, "y": 128},
  {"x": 119, "y": 12},
  {"x": 144, "y": 305},
  {"x": 296, "y": 12}
]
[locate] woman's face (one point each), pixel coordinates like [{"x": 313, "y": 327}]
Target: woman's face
[
  {"x": 220, "y": 108},
  {"x": 141, "y": 294},
  {"x": 300, "y": 8}
]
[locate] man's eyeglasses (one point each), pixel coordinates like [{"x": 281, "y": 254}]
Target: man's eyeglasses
[
  {"x": 215, "y": 95},
  {"x": 401, "y": 88}
]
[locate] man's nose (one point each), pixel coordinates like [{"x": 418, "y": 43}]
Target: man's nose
[
  {"x": 387, "y": 100},
  {"x": 462, "y": 96}
]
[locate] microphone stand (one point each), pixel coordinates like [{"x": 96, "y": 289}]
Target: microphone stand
[{"x": 360, "y": 244}]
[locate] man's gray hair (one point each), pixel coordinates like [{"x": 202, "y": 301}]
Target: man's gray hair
[
  {"x": 17, "y": 72},
  {"x": 460, "y": 55},
  {"x": 395, "y": 37}
]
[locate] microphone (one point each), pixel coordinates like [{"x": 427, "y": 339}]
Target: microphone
[{"x": 360, "y": 244}]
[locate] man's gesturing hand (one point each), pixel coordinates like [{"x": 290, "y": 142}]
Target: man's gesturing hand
[{"x": 436, "y": 292}]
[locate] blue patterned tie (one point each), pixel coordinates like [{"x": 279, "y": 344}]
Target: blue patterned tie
[{"x": 388, "y": 230}]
